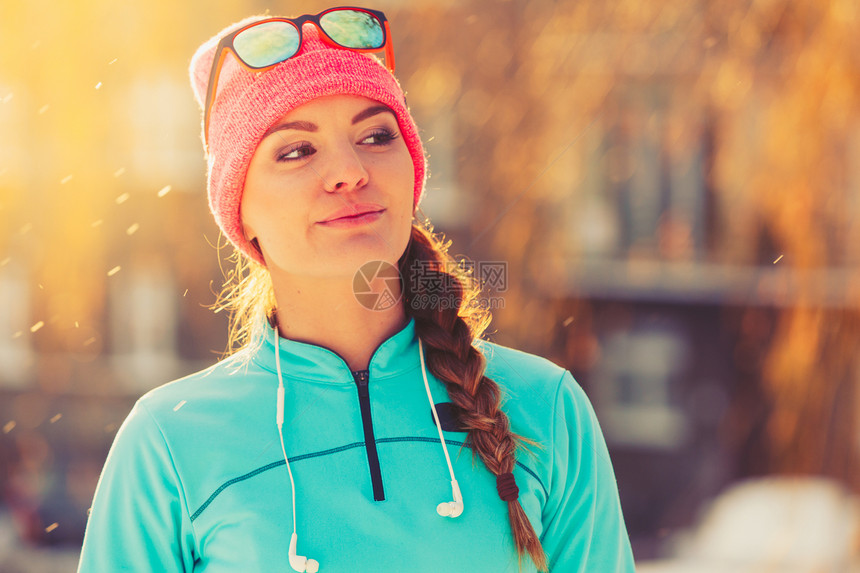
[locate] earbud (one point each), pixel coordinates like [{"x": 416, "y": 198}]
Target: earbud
[
  {"x": 449, "y": 509},
  {"x": 452, "y": 508},
  {"x": 300, "y": 563},
  {"x": 446, "y": 508}
]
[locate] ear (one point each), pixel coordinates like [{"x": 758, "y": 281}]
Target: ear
[
  {"x": 252, "y": 239},
  {"x": 248, "y": 232}
]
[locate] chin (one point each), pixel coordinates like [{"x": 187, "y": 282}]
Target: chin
[
  {"x": 346, "y": 262},
  {"x": 376, "y": 246},
  {"x": 344, "y": 255}
]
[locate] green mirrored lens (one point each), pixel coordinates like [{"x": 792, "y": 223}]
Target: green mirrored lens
[
  {"x": 267, "y": 43},
  {"x": 353, "y": 28}
]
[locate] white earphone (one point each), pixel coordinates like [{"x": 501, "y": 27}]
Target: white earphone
[
  {"x": 445, "y": 509},
  {"x": 452, "y": 508},
  {"x": 300, "y": 563}
]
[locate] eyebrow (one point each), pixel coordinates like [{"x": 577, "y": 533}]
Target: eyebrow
[
  {"x": 370, "y": 112},
  {"x": 308, "y": 126}
]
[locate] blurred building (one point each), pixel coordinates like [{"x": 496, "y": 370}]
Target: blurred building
[{"x": 678, "y": 211}]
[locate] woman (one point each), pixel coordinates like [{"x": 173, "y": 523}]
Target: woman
[{"x": 315, "y": 174}]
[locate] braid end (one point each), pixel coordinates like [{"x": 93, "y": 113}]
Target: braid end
[{"x": 525, "y": 537}]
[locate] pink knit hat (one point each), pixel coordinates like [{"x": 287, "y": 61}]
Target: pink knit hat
[{"x": 246, "y": 104}]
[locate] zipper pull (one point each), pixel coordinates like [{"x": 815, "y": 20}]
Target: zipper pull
[{"x": 362, "y": 379}]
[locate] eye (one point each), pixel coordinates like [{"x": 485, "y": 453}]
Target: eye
[
  {"x": 381, "y": 136},
  {"x": 295, "y": 153}
]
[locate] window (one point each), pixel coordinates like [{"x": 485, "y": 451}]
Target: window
[{"x": 636, "y": 386}]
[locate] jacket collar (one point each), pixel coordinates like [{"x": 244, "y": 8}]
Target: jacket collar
[{"x": 396, "y": 354}]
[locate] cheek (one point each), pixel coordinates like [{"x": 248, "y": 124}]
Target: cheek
[
  {"x": 249, "y": 206},
  {"x": 269, "y": 215},
  {"x": 262, "y": 210},
  {"x": 249, "y": 210},
  {"x": 246, "y": 215},
  {"x": 266, "y": 202},
  {"x": 403, "y": 172}
]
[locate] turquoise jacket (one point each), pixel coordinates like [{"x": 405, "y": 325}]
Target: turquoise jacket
[{"x": 196, "y": 481}]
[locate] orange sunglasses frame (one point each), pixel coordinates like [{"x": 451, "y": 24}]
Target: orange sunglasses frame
[{"x": 226, "y": 44}]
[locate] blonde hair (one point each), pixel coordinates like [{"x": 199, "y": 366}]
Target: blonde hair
[{"x": 249, "y": 298}]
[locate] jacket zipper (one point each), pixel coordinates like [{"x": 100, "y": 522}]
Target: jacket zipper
[{"x": 362, "y": 380}]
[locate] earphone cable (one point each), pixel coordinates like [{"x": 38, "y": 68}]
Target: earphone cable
[
  {"x": 281, "y": 423},
  {"x": 435, "y": 414}
]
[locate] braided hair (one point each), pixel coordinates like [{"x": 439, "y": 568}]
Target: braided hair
[{"x": 447, "y": 328}]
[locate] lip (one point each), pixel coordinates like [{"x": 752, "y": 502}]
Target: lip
[
  {"x": 349, "y": 222},
  {"x": 352, "y": 212}
]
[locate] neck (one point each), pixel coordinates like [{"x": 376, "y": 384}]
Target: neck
[{"x": 325, "y": 312}]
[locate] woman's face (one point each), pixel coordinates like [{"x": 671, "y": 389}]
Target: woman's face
[{"x": 320, "y": 161}]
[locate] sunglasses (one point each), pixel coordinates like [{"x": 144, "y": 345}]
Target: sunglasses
[{"x": 266, "y": 43}]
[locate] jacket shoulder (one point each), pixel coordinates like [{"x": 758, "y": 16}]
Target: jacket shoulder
[
  {"x": 530, "y": 387},
  {"x": 212, "y": 383},
  {"x": 521, "y": 375}
]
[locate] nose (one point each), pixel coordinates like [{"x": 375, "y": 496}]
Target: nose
[{"x": 345, "y": 170}]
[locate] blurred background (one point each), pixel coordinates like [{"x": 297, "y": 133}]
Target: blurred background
[{"x": 673, "y": 185}]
